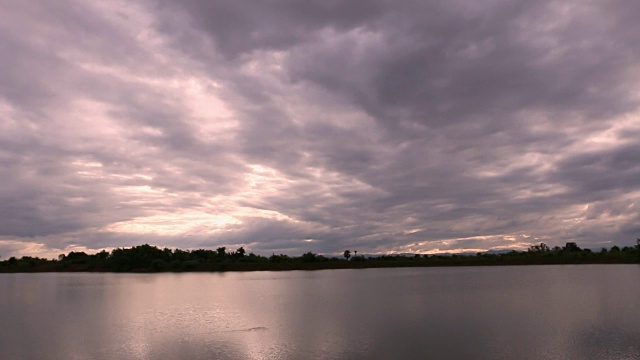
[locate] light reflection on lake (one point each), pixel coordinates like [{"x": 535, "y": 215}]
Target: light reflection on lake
[{"x": 526, "y": 312}]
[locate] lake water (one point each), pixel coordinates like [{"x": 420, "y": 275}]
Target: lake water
[{"x": 525, "y": 312}]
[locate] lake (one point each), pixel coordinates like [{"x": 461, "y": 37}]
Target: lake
[{"x": 506, "y": 312}]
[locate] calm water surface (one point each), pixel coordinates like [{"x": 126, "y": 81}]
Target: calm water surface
[{"x": 526, "y": 312}]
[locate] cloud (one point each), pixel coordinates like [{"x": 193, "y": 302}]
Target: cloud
[{"x": 286, "y": 127}]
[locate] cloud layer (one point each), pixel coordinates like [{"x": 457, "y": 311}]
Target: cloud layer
[{"x": 287, "y": 126}]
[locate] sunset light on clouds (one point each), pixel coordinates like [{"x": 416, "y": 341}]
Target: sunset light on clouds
[{"x": 283, "y": 126}]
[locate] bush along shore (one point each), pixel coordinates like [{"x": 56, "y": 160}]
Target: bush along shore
[{"x": 147, "y": 258}]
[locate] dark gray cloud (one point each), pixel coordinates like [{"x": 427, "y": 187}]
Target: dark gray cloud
[{"x": 284, "y": 126}]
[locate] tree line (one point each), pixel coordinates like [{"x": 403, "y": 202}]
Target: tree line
[{"x": 147, "y": 258}]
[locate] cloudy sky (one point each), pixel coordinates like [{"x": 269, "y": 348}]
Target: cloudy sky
[{"x": 291, "y": 126}]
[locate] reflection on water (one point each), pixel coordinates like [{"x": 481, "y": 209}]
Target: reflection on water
[{"x": 527, "y": 312}]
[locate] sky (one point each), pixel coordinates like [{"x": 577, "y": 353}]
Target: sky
[{"x": 285, "y": 126}]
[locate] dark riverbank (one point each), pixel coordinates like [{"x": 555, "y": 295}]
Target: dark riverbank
[{"x": 146, "y": 258}]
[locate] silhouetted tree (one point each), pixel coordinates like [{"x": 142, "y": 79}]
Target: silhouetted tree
[
  {"x": 240, "y": 252},
  {"x": 542, "y": 248},
  {"x": 571, "y": 247},
  {"x": 279, "y": 258},
  {"x": 221, "y": 251},
  {"x": 347, "y": 254},
  {"x": 309, "y": 257}
]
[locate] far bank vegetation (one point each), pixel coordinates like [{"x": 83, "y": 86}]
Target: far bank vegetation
[{"x": 147, "y": 258}]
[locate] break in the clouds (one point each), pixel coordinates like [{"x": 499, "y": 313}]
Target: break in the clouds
[{"x": 289, "y": 126}]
